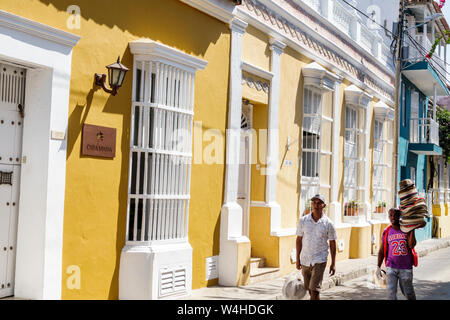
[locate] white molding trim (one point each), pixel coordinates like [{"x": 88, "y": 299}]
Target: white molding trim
[
  {"x": 219, "y": 9},
  {"x": 383, "y": 112},
  {"x": 257, "y": 71},
  {"x": 284, "y": 232},
  {"x": 238, "y": 25},
  {"x": 48, "y": 53},
  {"x": 157, "y": 51},
  {"x": 356, "y": 97},
  {"x": 260, "y": 204},
  {"x": 36, "y": 29},
  {"x": 231, "y": 215},
  {"x": 317, "y": 76}
]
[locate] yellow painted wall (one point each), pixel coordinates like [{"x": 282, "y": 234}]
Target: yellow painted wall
[
  {"x": 343, "y": 234},
  {"x": 96, "y": 189},
  {"x": 360, "y": 246},
  {"x": 263, "y": 244},
  {"x": 290, "y": 123},
  {"x": 255, "y": 48},
  {"x": 259, "y": 153},
  {"x": 443, "y": 230}
]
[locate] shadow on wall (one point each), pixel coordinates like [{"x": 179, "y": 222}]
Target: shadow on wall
[
  {"x": 163, "y": 21},
  {"x": 149, "y": 19}
]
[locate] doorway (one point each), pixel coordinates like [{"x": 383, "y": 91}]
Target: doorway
[
  {"x": 12, "y": 94},
  {"x": 245, "y": 152}
]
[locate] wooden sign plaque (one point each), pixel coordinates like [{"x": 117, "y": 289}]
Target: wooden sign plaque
[{"x": 98, "y": 141}]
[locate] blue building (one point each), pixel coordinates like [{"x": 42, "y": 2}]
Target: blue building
[{"x": 423, "y": 80}]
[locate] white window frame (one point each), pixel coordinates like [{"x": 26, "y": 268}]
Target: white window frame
[
  {"x": 315, "y": 147},
  {"x": 352, "y": 130},
  {"x": 161, "y": 137},
  {"x": 318, "y": 80}
]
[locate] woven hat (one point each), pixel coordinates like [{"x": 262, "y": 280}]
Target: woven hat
[
  {"x": 410, "y": 195},
  {"x": 413, "y": 208},
  {"x": 408, "y": 228},
  {"x": 405, "y": 184}
]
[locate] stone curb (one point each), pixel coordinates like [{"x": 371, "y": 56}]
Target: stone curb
[{"x": 340, "y": 279}]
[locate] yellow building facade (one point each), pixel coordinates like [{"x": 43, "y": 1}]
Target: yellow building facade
[{"x": 230, "y": 118}]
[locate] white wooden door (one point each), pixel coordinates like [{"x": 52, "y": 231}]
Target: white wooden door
[{"x": 12, "y": 89}]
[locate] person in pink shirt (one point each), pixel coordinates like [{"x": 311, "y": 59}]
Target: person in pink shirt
[{"x": 399, "y": 258}]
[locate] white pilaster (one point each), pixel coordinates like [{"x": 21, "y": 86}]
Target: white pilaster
[
  {"x": 335, "y": 206},
  {"x": 276, "y": 48},
  {"x": 367, "y": 200},
  {"x": 231, "y": 212}
]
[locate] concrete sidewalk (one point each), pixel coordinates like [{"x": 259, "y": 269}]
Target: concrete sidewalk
[{"x": 271, "y": 290}]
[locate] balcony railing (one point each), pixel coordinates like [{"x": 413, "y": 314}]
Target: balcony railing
[
  {"x": 424, "y": 130},
  {"x": 424, "y": 47},
  {"x": 348, "y": 21}
]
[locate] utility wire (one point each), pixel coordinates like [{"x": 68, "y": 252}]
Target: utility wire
[
  {"x": 364, "y": 14},
  {"x": 433, "y": 66},
  {"x": 434, "y": 56},
  {"x": 419, "y": 47}
]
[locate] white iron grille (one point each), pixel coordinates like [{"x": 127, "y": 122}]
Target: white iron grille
[
  {"x": 161, "y": 152},
  {"x": 312, "y": 117},
  {"x": 12, "y": 84},
  {"x": 353, "y": 154}
]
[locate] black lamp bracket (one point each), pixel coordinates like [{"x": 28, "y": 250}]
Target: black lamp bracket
[{"x": 100, "y": 80}]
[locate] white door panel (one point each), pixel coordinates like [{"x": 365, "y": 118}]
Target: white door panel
[{"x": 12, "y": 89}]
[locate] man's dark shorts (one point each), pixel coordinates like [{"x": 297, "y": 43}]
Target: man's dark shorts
[{"x": 313, "y": 275}]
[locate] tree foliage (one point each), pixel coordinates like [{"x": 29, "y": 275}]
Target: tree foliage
[{"x": 443, "y": 117}]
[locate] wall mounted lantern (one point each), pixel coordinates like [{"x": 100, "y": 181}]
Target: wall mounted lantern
[{"x": 116, "y": 75}]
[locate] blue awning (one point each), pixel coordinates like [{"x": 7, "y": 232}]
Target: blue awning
[
  {"x": 429, "y": 149},
  {"x": 423, "y": 76}
]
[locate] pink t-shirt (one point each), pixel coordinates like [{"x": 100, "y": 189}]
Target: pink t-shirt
[{"x": 399, "y": 255}]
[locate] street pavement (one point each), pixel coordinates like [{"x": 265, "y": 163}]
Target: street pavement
[
  {"x": 431, "y": 282},
  {"x": 353, "y": 279}
]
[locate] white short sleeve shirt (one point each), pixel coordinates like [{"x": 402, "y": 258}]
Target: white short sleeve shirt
[{"x": 315, "y": 236}]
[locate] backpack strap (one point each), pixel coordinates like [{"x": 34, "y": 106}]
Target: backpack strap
[{"x": 385, "y": 242}]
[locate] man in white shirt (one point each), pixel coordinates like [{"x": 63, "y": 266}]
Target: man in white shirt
[{"x": 313, "y": 233}]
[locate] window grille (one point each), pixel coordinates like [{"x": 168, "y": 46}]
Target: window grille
[
  {"x": 353, "y": 156},
  {"x": 312, "y": 117},
  {"x": 160, "y": 152},
  {"x": 378, "y": 165},
  {"x": 12, "y": 84}
]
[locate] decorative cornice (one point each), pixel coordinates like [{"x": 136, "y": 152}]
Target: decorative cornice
[
  {"x": 158, "y": 51},
  {"x": 355, "y": 96},
  {"x": 250, "y": 68},
  {"x": 382, "y": 112},
  {"x": 220, "y": 9},
  {"x": 266, "y": 17},
  {"x": 255, "y": 84},
  {"x": 36, "y": 29},
  {"x": 317, "y": 76},
  {"x": 276, "y": 45},
  {"x": 238, "y": 25}
]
